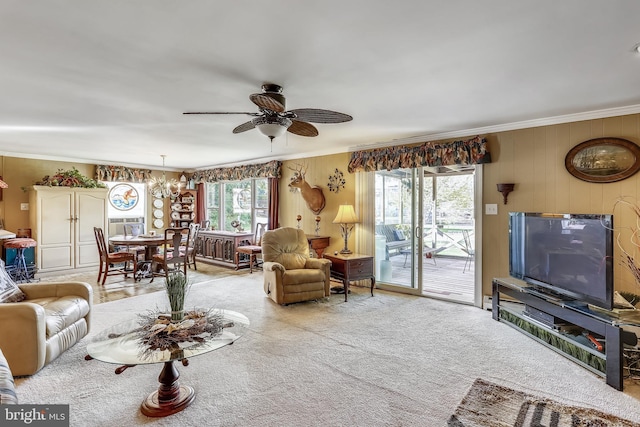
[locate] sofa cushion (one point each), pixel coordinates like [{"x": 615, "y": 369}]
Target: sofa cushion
[
  {"x": 399, "y": 235},
  {"x": 7, "y": 387},
  {"x": 9, "y": 291},
  {"x": 61, "y": 312}
]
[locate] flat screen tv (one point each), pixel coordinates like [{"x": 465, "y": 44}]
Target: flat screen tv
[{"x": 570, "y": 255}]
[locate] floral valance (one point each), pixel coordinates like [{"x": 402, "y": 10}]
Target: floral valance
[
  {"x": 271, "y": 169},
  {"x": 121, "y": 173},
  {"x": 472, "y": 151}
]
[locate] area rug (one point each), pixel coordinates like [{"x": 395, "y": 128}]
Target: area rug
[{"x": 489, "y": 404}]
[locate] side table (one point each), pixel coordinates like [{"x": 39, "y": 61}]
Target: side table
[{"x": 350, "y": 267}]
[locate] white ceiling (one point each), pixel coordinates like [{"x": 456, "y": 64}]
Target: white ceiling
[{"x": 107, "y": 81}]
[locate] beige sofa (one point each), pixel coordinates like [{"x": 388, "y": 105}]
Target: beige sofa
[
  {"x": 50, "y": 319},
  {"x": 290, "y": 275}
]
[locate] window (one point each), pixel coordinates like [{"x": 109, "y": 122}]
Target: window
[{"x": 246, "y": 201}]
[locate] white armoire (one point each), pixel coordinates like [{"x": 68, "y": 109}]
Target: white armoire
[{"x": 62, "y": 221}]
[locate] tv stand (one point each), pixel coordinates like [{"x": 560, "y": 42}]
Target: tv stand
[{"x": 572, "y": 313}]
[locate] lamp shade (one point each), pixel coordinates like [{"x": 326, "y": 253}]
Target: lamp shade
[
  {"x": 272, "y": 127},
  {"x": 346, "y": 215}
]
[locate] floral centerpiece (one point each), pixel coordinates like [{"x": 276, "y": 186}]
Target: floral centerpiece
[{"x": 166, "y": 331}]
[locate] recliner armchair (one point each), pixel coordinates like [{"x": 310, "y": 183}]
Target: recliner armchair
[{"x": 290, "y": 274}]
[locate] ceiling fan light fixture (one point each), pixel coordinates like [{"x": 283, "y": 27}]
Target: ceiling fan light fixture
[{"x": 272, "y": 127}]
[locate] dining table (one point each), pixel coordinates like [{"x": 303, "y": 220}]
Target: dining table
[{"x": 150, "y": 243}]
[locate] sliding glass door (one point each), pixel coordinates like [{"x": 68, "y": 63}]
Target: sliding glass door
[{"x": 425, "y": 232}]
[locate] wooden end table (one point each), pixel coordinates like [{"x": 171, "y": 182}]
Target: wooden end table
[{"x": 350, "y": 267}]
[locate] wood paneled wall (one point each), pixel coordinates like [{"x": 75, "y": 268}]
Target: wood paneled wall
[
  {"x": 533, "y": 159},
  {"x": 318, "y": 171}
]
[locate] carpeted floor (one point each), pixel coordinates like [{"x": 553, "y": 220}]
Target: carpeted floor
[
  {"x": 387, "y": 360},
  {"x": 119, "y": 287}
]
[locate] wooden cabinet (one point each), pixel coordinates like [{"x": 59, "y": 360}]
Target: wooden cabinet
[
  {"x": 62, "y": 221},
  {"x": 183, "y": 209},
  {"x": 219, "y": 247},
  {"x": 348, "y": 268}
]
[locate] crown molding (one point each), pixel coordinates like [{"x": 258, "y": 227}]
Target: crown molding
[{"x": 547, "y": 121}]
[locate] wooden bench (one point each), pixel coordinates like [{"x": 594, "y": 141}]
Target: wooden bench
[{"x": 392, "y": 235}]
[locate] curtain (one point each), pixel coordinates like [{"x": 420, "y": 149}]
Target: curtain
[
  {"x": 271, "y": 169},
  {"x": 469, "y": 152},
  {"x": 274, "y": 203},
  {"x": 122, "y": 173},
  {"x": 201, "y": 210}
]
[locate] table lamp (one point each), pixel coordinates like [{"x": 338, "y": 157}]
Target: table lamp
[{"x": 346, "y": 218}]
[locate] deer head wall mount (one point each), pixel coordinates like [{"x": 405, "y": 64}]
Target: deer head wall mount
[{"x": 312, "y": 194}]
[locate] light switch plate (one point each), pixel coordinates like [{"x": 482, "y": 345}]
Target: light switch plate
[
  {"x": 24, "y": 206},
  {"x": 491, "y": 209}
]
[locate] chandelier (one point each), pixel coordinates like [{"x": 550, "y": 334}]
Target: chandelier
[{"x": 163, "y": 188}]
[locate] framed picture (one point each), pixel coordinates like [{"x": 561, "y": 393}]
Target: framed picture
[
  {"x": 123, "y": 197},
  {"x": 603, "y": 160}
]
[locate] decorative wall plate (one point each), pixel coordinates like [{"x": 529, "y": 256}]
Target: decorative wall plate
[
  {"x": 158, "y": 213},
  {"x": 175, "y": 215},
  {"x": 176, "y": 206},
  {"x": 158, "y": 203},
  {"x": 158, "y": 223}
]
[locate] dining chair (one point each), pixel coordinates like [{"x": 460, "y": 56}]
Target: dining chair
[
  {"x": 254, "y": 249},
  {"x": 191, "y": 245},
  {"x": 135, "y": 229},
  {"x": 109, "y": 259},
  {"x": 174, "y": 255},
  {"x": 468, "y": 248}
]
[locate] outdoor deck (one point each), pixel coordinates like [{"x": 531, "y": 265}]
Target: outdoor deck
[{"x": 443, "y": 279}]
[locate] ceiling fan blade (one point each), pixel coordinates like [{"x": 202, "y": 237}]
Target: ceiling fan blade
[
  {"x": 244, "y": 127},
  {"x": 220, "y": 112},
  {"x": 265, "y": 101},
  {"x": 316, "y": 115},
  {"x": 302, "y": 128}
]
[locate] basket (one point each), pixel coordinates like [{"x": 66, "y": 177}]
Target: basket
[{"x": 631, "y": 367}]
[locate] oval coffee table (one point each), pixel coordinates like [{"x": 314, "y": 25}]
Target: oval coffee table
[{"x": 122, "y": 344}]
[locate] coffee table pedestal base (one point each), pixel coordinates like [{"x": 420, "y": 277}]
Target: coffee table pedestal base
[{"x": 170, "y": 397}]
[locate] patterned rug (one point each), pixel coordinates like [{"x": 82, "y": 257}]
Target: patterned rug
[{"x": 492, "y": 405}]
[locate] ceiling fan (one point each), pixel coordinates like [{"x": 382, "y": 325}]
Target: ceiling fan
[{"x": 273, "y": 120}]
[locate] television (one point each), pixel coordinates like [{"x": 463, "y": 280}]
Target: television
[{"x": 569, "y": 256}]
